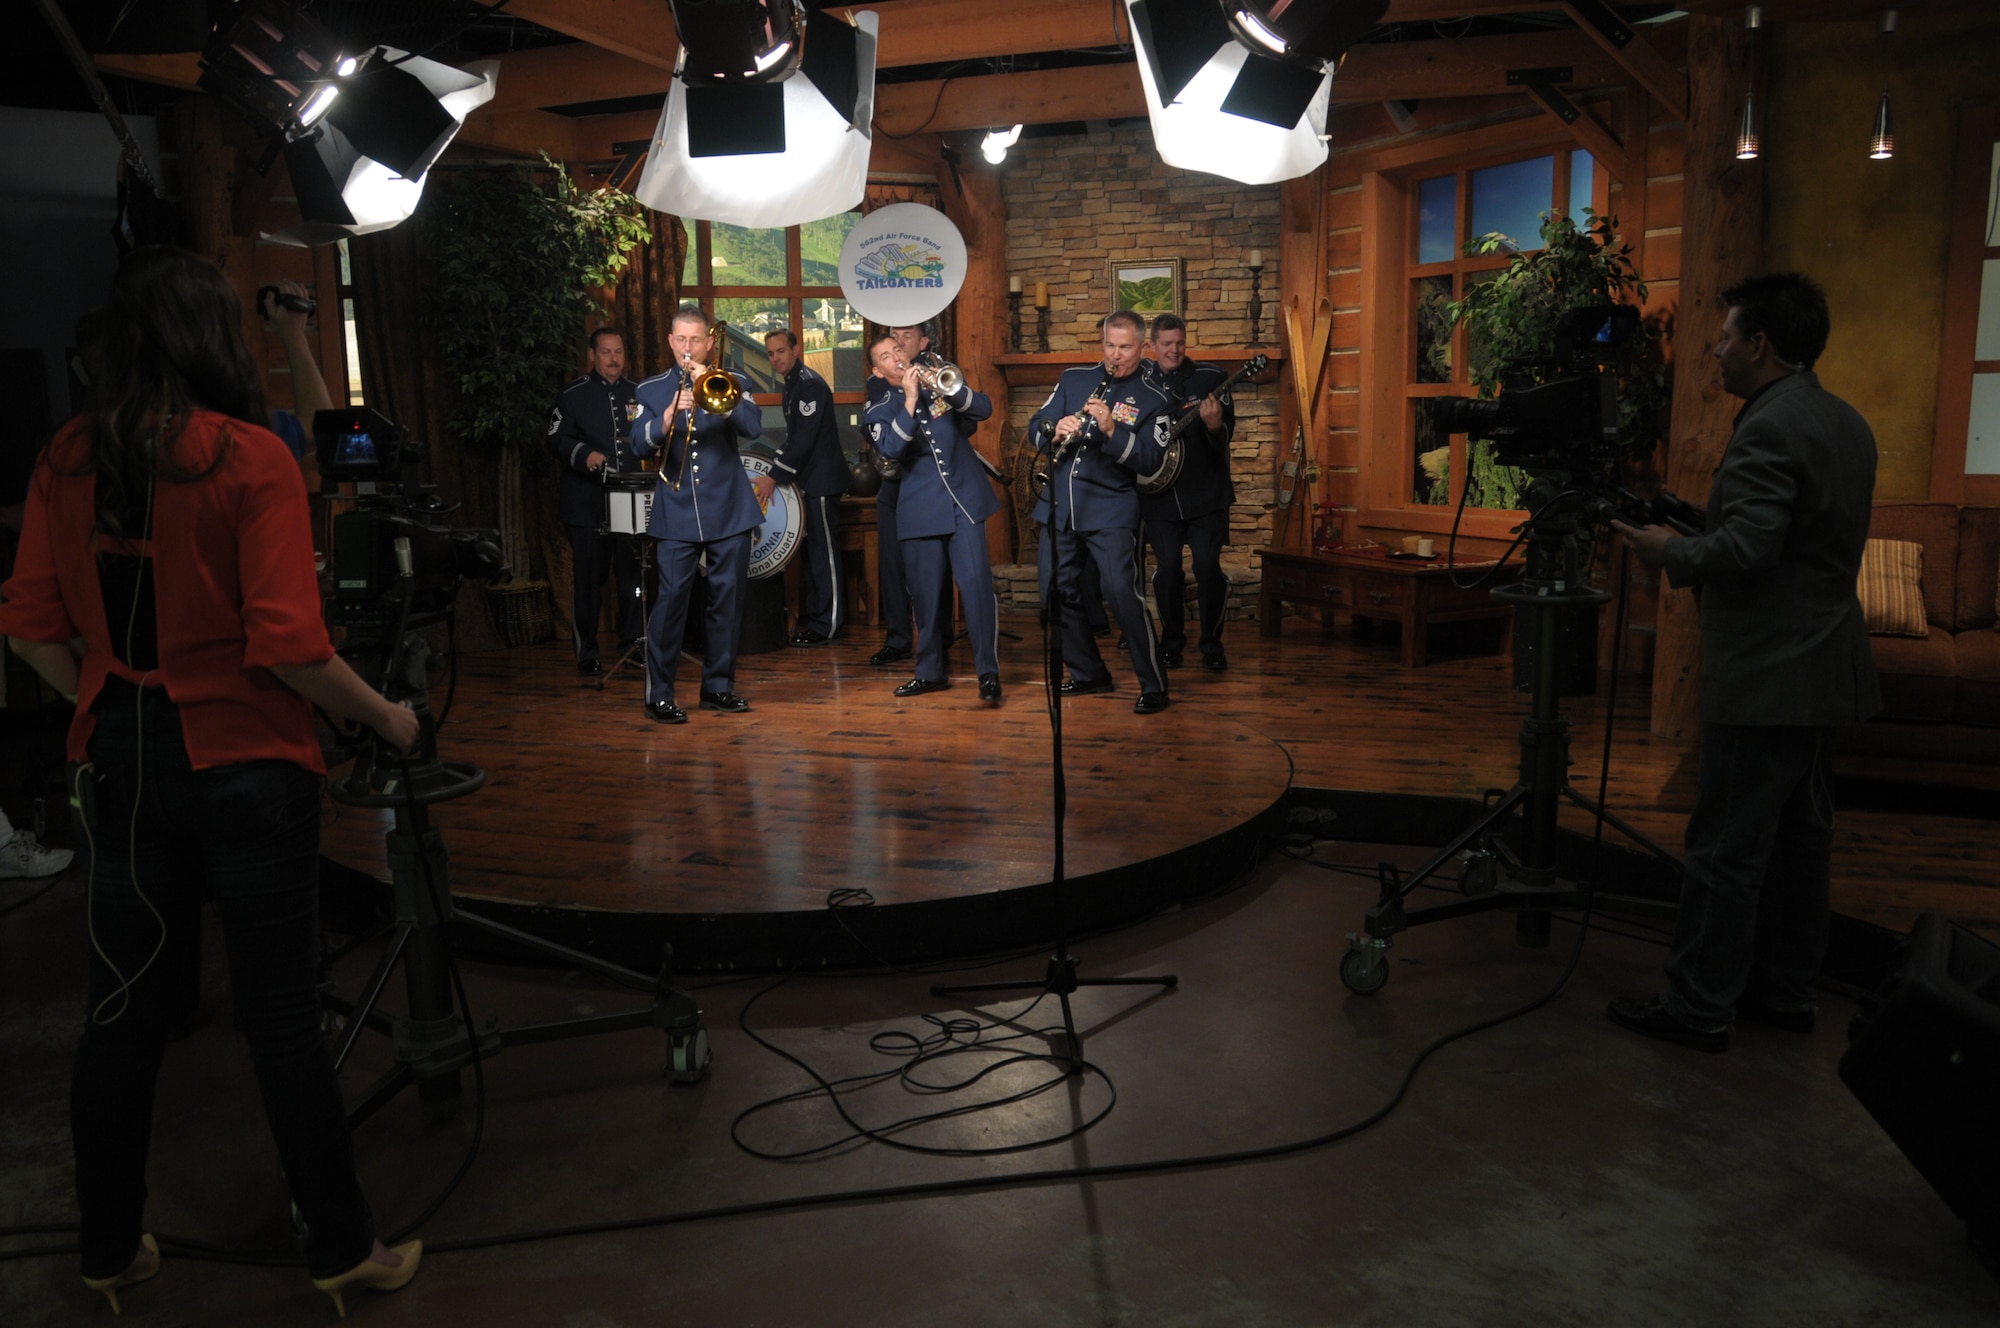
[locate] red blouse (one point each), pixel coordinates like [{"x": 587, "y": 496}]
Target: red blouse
[{"x": 234, "y": 586}]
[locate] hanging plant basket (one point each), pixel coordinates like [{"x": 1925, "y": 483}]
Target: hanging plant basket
[{"x": 521, "y": 612}]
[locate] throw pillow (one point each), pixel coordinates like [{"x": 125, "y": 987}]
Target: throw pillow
[{"x": 1891, "y": 587}]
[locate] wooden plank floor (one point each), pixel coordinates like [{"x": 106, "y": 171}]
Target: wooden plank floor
[{"x": 832, "y": 782}]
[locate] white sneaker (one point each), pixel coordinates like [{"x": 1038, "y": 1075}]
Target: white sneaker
[{"x": 22, "y": 856}]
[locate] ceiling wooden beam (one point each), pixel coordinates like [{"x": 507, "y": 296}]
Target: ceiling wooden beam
[
  {"x": 1648, "y": 68},
  {"x": 567, "y": 75},
  {"x": 640, "y": 30},
  {"x": 179, "y": 70},
  {"x": 1594, "y": 137},
  {"x": 1466, "y": 66}
]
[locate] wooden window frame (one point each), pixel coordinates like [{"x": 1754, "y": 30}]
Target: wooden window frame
[
  {"x": 1388, "y": 343},
  {"x": 1978, "y": 130},
  {"x": 704, "y": 292}
]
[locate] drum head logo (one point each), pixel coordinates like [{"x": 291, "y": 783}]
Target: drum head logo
[
  {"x": 902, "y": 264},
  {"x": 777, "y": 539}
]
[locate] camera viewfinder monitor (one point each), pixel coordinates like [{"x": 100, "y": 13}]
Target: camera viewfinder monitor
[{"x": 356, "y": 443}]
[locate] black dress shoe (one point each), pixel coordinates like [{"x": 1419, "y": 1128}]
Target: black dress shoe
[
  {"x": 1648, "y": 1016},
  {"x": 989, "y": 688},
  {"x": 665, "y": 712},
  {"x": 889, "y": 655},
  {"x": 1170, "y": 658},
  {"x": 922, "y": 686},
  {"x": 1072, "y": 687},
  {"x": 811, "y": 638},
  {"x": 1150, "y": 703},
  {"x": 1216, "y": 662},
  {"x": 729, "y": 702},
  {"x": 589, "y": 666}
]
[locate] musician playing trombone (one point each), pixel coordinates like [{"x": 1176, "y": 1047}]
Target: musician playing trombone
[
  {"x": 1192, "y": 512},
  {"x": 703, "y": 505},
  {"x": 1101, "y": 427},
  {"x": 925, "y": 422}
]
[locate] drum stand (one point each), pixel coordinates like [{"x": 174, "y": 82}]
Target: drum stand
[{"x": 1060, "y": 979}]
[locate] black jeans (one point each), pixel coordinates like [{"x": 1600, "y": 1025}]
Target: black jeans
[
  {"x": 1205, "y": 536},
  {"x": 162, "y": 833},
  {"x": 1754, "y": 892}
]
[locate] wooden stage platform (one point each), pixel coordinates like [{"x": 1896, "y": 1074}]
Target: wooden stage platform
[{"x": 730, "y": 835}]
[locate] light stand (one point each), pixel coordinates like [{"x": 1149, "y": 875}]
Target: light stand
[
  {"x": 1556, "y": 578},
  {"x": 432, "y": 1043},
  {"x": 1060, "y": 980}
]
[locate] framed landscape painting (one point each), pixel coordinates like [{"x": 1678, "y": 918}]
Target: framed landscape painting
[{"x": 1146, "y": 286}]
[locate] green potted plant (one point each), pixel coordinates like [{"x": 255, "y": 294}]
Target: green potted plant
[{"x": 519, "y": 259}]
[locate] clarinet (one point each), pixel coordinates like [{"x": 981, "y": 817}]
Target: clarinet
[{"x": 1085, "y": 432}]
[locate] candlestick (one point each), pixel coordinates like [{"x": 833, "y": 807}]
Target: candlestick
[
  {"x": 1256, "y": 296},
  {"x": 1042, "y": 326},
  {"x": 1013, "y": 285},
  {"x": 1255, "y": 260},
  {"x": 1014, "y": 316},
  {"x": 1041, "y": 295}
]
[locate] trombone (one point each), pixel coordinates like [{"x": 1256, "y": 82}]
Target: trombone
[{"x": 713, "y": 390}]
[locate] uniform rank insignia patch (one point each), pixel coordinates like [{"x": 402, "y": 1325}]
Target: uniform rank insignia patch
[
  {"x": 808, "y": 407},
  {"x": 1125, "y": 413},
  {"x": 555, "y": 420}
]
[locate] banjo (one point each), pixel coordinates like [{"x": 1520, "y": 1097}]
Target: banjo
[{"x": 1176, "y": 444}]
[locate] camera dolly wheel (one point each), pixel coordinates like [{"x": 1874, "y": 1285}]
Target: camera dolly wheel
[
  {"x": 1365, "y": 966},
  {"x": 687, "y": 1056}
]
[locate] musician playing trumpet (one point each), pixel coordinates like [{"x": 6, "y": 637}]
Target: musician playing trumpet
[
  {"x": 1102, "y": 426},
  {"x": 702, "y": 504},
  {"x": 925, "y": 422}
]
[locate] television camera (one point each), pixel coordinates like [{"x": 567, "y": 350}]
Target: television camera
[{"x": 397, "y": 567}]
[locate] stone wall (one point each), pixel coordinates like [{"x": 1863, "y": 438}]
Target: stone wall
[{"x": 1077, "y": 203}]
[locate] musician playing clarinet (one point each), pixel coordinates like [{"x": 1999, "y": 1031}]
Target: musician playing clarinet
[
  {"x": 1192, "y": 512},
  {"x": 1102, "y": 426},
  {"x": 925, "y": 424}
]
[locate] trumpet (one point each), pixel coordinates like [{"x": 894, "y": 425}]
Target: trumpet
[
  {"x": 941, "y": 377},
  {"x": 713, "y": 390}
]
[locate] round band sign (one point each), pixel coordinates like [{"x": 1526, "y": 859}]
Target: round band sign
[{"x": 902, "y": 264}]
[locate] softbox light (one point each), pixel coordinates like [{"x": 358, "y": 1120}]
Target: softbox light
[
  {"x": 759, "y": 154},
  {"x": 343, "y": 190},
  {"x": 1221, "y": 108}
]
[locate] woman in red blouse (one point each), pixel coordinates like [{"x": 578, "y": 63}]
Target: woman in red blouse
[{"x": 170, "y": 531}]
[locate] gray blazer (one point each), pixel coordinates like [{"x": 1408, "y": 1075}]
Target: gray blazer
[{"x": 1782, "y": 637}]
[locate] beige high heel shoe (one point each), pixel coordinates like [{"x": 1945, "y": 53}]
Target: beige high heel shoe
[
  {"x": 144, "y": 1264},
  {"x": 374, "y": 1276}
]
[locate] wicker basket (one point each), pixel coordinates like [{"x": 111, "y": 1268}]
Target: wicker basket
[{"x": 521, "y": 612}]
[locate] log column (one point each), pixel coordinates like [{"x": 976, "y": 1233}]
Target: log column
[
  {"x": 980, "y": 213},
  {"x": 1722, "y": 242}
]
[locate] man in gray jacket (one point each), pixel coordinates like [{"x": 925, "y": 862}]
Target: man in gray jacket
[{"x": 1784, "y": 657}]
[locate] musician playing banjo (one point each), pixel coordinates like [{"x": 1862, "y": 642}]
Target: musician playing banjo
[
  {"x": 1101, "y": 427},
  {"x": 924, "y": 422},
  {"x": 1193, "y": 511}
]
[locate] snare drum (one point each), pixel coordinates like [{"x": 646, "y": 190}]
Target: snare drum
[
  {"x": 628, "y": 501},
  {"x": 784, "y": 527}
]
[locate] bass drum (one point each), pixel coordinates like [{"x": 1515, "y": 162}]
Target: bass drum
[{"x": 784, "y": 527}]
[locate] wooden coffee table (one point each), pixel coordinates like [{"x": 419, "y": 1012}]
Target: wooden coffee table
[{"x": 1373, "y": 585}]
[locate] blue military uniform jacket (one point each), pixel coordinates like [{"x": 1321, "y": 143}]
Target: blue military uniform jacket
[
  {"x": 1204, "y": 485},
  {"x": 811, "y": 457},
  {"x": 877, "y": 390},
  {"x": 714, "y": 499},
  {"x": 591, "y": 415},
  {"x": 1094, "y": 488},
  {"x": 942, "y": 476}
]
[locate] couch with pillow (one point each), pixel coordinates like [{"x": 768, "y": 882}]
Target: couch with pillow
[{"x": 1931, "y": 611}]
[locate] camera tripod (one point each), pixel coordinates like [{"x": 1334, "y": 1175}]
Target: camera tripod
[
  {"x": 432, "y": 1042},
  {"x": 1520, "y": 874}
]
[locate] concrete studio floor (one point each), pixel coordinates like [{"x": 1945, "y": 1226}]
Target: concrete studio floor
[{"x": 1550, "y": 1171}]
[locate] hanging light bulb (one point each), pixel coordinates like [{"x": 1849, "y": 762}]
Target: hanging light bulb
[
  {"x": 1748, "y": 143},
  {"x": 1882, "y": 143}
]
